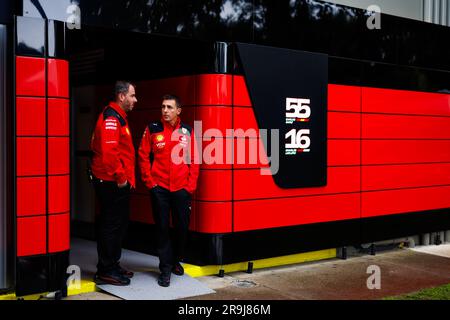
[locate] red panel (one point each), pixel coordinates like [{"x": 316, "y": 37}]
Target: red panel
[
  {"x": 261, "y": 214},
  {"x": 344, "y": 152},
  {"x": 30, "y": 116},
  {"x": 405, "y": 127},
  {"x": 214, "y": 185},
  {"x": 58, "y": 155},
  {"x": 58, "y": 117},
  {"x": 405, "y": 102},
  {"x": 31, "y": 196},
  {"x": 344, "y": 98},
  {"x": 215, "y": 120},
  {"x": 58, "y": 194},
  {"x": 378, "y": 203},
  {"x": 214, "y": 154},
  {"x": 140, "y": 208},
  {"x": 31, "y": 236},
  {"x": 30, "y": 156},
  {"x": 405, "y": 176},
  {"x": 249, "y": 153},
  {"x": 149, "y": 93},
  {"x": 240, "y": 95},
  {"x": 213, "y": 217},
  {"x": 250, "y": 184},
  {"x": 344, "y": 125},
  {"x": 30, "y": 76},
  {"x": 59, "y": 232},
  {"x": 214, "y": 89},
  {"x": 244, "y": 118},
  {"x": 58, "y": 78},
  {"x": 405, "y": 151}
]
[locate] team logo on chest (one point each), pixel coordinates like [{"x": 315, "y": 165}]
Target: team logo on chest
[{"x": 159, "y": 141}]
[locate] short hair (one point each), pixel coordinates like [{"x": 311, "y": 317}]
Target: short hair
[
  {"x": 172, "y": 97},
  {"x": 122, "y": 87}
]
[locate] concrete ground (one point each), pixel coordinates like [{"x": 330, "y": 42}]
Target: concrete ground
[{"x": 401, "y": 271}]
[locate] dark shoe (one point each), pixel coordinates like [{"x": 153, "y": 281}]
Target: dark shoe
[
  {"x": 113, "y": 278},
  {"x": 164, "y": 280},
  {"x": 178, "y": 269},
  {"x": 126, "y": 273}
]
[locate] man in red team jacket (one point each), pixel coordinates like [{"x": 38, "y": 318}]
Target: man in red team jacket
[
  {"x": 169, "y": 172},
  {"x": 113, "y": 166}
]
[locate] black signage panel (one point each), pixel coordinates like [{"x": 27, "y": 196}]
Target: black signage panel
[{"x": 288, "y": 90}]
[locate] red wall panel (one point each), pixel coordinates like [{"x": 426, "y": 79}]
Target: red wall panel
[
  {"x": 31, "y": 196},
  {"x": 30, "y": 116},
  {"x": 31, "y": 236},
  {"x": 405, "y": 151},
  {"x": 404, "y": 102},
  {"x": 240, "y": 92},
  {"x": 219, "y": 119},
  {"x": 344, "y": 125},
  {"x": 344, "y": 98},
  {"x": 58, "y": 117},
  {"x": 30, "y": 76},
  {"x": 58, "y": 156},
  {"x": 344, "y": 152},
  {"x": 378, "y": 203},
  {"x": 30, "y": 156},
  {"x": 214, "y": 89},
  {"x": 405, "y": 176},
  {"x": 58, "y": 194},
  {"x": 150, "y": 92},
  {"x": 58, "y": 78},
  {"x": 214, "y": 185},
  {"x": 260, "y": 214},
  {"x": 250, "y": 184},
  {"x": 140, "y": 208},
  {"x": 215, "y": 154},
  {"x": 244, "y": 118},
  {"x": 58, "y": 232},
  {"x": 213, "y": 217},
  {"x": 405, "y": 127}
]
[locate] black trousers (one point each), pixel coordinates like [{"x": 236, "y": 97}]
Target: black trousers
[
  {"x": 112, "y": 223},
  {"x": 170, "y": 250}
]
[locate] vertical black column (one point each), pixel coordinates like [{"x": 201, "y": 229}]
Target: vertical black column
[{"x": 6, "y": 220}]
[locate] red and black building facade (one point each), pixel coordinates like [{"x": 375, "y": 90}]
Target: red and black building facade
[{"x": 377, "y": 165}]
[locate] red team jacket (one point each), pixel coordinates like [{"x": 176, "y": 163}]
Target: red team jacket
[
  {"x": 112, "y": 144},
  {"x": 155, "y": 160}
]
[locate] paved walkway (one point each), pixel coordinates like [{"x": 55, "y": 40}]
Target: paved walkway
[{"x": 401, "y": 271}]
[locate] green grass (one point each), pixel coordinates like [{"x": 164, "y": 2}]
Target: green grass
[{"x": 438, "y": 293}]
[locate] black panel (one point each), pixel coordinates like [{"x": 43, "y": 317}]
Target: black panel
[
  {"x": 309, "y": 25},
  {"x": 32, "y": 274},
  {"x": 288, "y": 90},
  {"x": 7, "y": 245},
  {"x": 406, "y": 224},
  {"x": 44, "y": 273},
  {"x": 217, "y": 249},
  {"x": 100, "y": 56},
  {"x": 30, "y": 36},
  {"x": 6, "y": 11},
  {"x": 58, "y": 264},
  {"x": 56, "y": 39}
]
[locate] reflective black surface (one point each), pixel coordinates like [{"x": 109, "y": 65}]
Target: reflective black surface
[
  {"x": 99, "y": 55},
  {"x": 309, "y": 25},
  {"x": 6, "y": 11},
  {"x": 30, "y": 36},
  {"x": 56, "y": 39}
]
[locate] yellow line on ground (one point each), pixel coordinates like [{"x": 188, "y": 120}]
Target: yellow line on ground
[{"x": 200, "y": 271}]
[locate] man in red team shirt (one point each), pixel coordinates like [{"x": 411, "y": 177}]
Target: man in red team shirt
[
  {"x": 113, "y": 166},
  {"x": 167, "y": 169}
]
